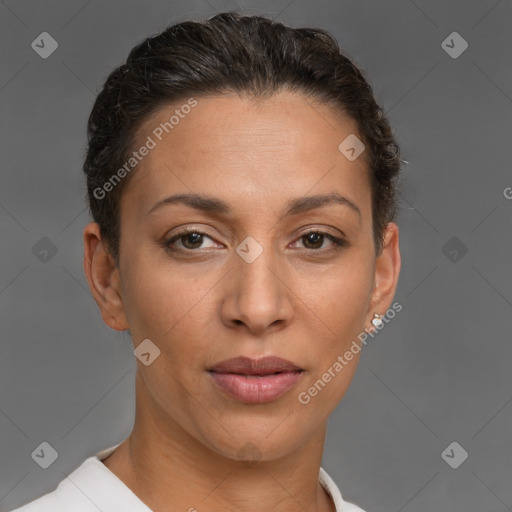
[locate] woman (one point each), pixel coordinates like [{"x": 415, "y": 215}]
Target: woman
[{"x": 241, "y": 178}]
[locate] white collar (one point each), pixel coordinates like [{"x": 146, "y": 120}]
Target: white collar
[
  {"x": 92, "y": 487},
  {"x": 325, "y": 481}
]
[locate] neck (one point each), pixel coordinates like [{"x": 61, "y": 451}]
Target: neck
[{"x": 169, "y": 469}]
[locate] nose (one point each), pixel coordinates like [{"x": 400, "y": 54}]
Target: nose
[{"x": 259, "y": 295}]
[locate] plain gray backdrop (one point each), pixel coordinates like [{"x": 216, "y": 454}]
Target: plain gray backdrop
[{"x": 438, "y": 373}]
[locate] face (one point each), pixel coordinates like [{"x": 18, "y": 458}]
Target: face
[{"x": 255, "y": 269}]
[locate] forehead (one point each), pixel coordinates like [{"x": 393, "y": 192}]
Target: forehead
[{"x": 241, "y": 148}]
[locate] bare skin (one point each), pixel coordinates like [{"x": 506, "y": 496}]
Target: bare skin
[{"x": 302, "y": 299}]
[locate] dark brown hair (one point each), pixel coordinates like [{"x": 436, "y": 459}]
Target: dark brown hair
[{"x": 229, "y": 52}]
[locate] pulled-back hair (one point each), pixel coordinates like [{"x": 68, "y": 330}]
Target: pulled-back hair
[{"x": 227, "y": 53}]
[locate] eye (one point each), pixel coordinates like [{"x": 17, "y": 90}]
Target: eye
[
  {"x": 190, "y": 240},
  {"x": 314, "y": 240}
]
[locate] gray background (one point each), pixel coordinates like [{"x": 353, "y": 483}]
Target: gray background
[{"x": 438, "y": 373}]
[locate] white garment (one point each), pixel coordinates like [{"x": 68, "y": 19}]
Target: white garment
[{"x": 92, "y": 487}]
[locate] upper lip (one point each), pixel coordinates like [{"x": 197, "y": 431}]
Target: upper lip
[{"x": 247, "y": 366}]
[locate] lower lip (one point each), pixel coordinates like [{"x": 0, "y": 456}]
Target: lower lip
[{"x": 256, "y": 390}]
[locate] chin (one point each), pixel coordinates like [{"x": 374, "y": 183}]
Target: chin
[{"x": 252, "y": 439}]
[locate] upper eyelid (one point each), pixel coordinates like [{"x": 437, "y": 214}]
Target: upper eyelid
[{"x": 200, "y": 229}]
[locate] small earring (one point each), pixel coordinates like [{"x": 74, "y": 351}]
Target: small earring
[{"x": 377, "y": 320}]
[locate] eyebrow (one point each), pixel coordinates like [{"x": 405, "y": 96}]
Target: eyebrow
[{"x": 213, "y": 205}]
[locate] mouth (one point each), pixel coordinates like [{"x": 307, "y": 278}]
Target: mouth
[{"x": 255, "y": 381}]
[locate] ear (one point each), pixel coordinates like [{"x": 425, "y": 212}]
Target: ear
[
  {"x": 104, "y": 279},
  {"x": 387, "y": 270}
]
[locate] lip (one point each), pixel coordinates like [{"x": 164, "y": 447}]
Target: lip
[{"x": 255, "y": 381}]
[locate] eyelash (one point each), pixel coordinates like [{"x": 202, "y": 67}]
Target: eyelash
[{"x": 338, "y": 242}]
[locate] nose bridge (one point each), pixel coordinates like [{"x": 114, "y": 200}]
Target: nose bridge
[
  {"x": 258, "y": 290},
  {"x": 256, "y": 270}
]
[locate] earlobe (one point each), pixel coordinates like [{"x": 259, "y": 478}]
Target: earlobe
[{"x": 103, "y": 277}]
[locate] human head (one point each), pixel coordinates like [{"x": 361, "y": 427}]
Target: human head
[
  {"x": 231, "y": 53},
  {"x": 270, "y": 105}
]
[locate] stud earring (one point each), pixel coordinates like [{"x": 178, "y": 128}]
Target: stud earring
[{"x": 377, "y": 320}]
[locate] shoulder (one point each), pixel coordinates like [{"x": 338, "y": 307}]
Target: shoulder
[
  {"x": 89, "y": 488},
  {"x": 67, "y": 495},
  {"x": 332, "y": 489}
]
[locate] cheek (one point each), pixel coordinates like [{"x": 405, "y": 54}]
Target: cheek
[
  {"x": 339, "y": 303},
  {"x": 168, "y": 308},
  {"x": 340, "y": 296},
  {"x": 158, "y": 296},
  {"x": 167, "y": 303},
  {"x": 173, "y": 310}
]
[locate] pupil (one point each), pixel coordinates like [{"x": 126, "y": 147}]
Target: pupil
[
  {"x": 195, "y": 236},
  {"x": 316, "y": 238}
]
